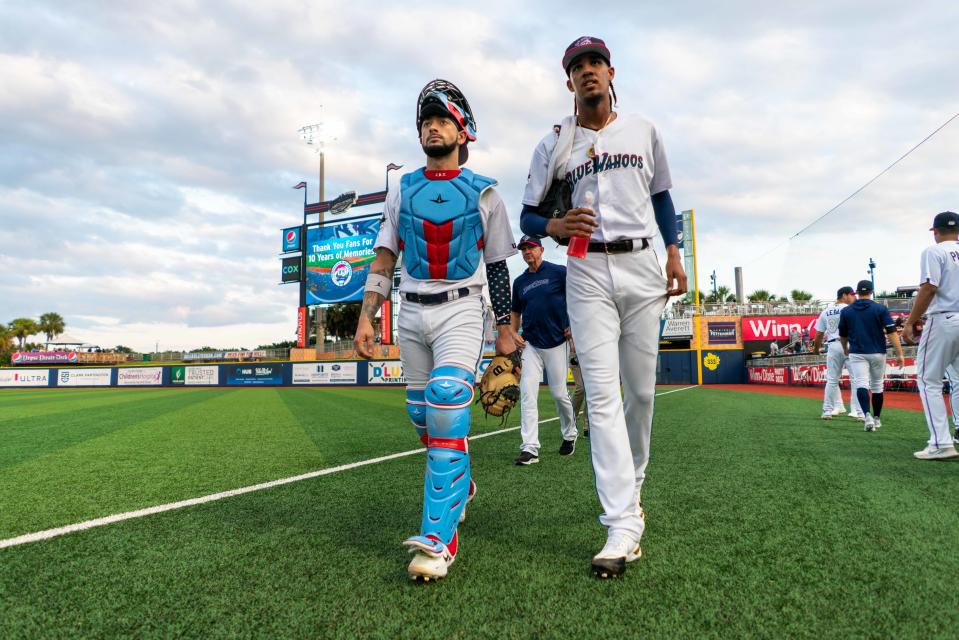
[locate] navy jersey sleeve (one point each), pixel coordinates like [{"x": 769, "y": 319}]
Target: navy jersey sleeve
[
  {"x": 887, "y": 322},
  {"x": 843, "y": 324},
  {"x": 517, "y": 305}
]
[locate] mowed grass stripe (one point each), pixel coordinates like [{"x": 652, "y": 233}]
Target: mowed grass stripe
[
  {"x": 53, "y": 401},
  {"x": 754, "y": 530}
]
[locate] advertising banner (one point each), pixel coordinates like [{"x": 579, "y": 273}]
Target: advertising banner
[
  {"x": 27, "y": 378},
  {"x": 721, "y": 332},
  {"x": 140, "y": 376},
  {"x": 814, "y": 375},
  {"x": 290, "y": 270},
  {"x": 83, "y": 378},
  {"x": 43, "y": 357},
  {"x": 177, "y": 375},
  {"x": 223, "y": 355},
  {"x": 291, "y": 239},
  {"x": 338, "y": 257},
  {"x": 769, "y": 328},
  {"x": 768, "y": 375},
  {"x": 675, "y": 328},
  {"x": 254, "y": 374},
  {"x": 385, "y": 372},
  {"x": 202, "y": 376},
  {"x": 324, "y": 373},
  {"x": 301, "y": 327}
]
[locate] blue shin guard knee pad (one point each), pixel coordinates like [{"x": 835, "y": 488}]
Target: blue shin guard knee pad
[
  {"x": 416, "y": 410},
  {"x": 449, "y": 395}
]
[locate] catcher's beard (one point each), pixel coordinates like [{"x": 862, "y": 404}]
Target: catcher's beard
[{"x": 439, "y": 150}]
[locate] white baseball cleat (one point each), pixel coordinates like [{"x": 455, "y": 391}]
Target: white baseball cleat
[
  {"x": 838, "y": 411},
  {"x": 611, "y": 561},
  {"x": 827, "y": 415},
  {"x": 876, "y": 423},
  {"x": 431, "y": 558},
  {"x": 870, "y": 424},
  {"x": 937, "y": 453}
]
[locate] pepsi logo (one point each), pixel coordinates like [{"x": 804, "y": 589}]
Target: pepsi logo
[{"x": 290, "y": 235}]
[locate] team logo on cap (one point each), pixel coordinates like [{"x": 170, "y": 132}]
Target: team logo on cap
[{"x": 582, "y": 42}]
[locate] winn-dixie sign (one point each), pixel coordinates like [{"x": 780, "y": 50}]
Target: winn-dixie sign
[{"x": 776, "y": 327}]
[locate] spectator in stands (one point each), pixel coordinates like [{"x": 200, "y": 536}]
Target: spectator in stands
[{"x": 773, "y": 348}]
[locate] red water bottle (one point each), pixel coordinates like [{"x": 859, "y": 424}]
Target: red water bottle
[{"x": 579, "y": 246}]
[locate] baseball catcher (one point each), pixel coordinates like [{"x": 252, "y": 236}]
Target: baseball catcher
[{"x": 498, "y": 389}]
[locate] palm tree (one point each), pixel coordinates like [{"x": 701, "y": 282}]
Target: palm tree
[
  {"x": 798, "y": 295},
  {"x": 23, "y": 327},
  {"x": 52, "y": 325},
  {"x": 760, "y": 295},
  {"x": 722, "y": 293}
]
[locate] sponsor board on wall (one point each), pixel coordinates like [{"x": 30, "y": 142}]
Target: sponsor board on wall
[
  {"x": 385, "y": 372},
  {"x": 25, "y": 378},
  {"x": 324, "y": 373},
  {"x": 814, "y": 375},
  {"x": 769, "y": 328},
  {"x": 83, "y": 377},
  {"x": 177, "y": 375},
  {"x": 43, "y": 357},
  {"x": 768, "y": 375},
  {"x": 201, "y": 376},
  {"x": 254, "y": 374},
  {"x": 677, "y": 328},
  {"x": 721, "y": 332},
  {"x": 223, "y": 355},
  {"x": 139, "y": 376}
]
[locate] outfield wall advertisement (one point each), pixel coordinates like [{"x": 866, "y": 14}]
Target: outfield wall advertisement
[
  {"x": 140, "y": 377},
  {"x": 385, "y": 372},
  {"x": 338, "y": 258},
  {"x": 768, "y": 375},
  {"x": 202, "y": 376},
  {"x": 769, "y": 328},
  {"x": 254, "y": 374},
  {"x": 25, "y": 378},
  {"x": 44, "y": 357},
  {"x": 324, "y": 373},
  {"x": 84, "y": 377}
]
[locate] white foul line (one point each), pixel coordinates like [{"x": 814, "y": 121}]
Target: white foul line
[{"x": 46, "y": 534}]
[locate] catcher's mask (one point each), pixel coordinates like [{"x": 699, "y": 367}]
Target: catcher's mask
[{"x": 443, "y": 98}]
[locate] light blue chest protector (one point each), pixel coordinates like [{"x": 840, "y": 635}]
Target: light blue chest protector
[{"x": 440, "y": 228}]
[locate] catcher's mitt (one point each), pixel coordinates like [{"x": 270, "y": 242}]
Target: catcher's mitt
[{"x": 498, "y": 389}]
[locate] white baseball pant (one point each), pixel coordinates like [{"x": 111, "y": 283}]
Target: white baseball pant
[
  {"x": 614, "y": 303},
  {"x": 952, "y": 375},
  {"x": 555, "y": 361},
  {"x": 433, "y": 335},
  {"x": 832, "y": 397},
  {"x": 938, "y": 348},
  {"x": 867, "y": 371}
]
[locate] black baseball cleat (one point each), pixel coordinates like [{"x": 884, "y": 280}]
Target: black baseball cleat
[
  {"x": 526, "y": 458},
  {"x": 567, "y": 448}
]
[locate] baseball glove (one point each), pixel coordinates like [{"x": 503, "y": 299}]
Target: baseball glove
[{"x": 498, "y": 389}]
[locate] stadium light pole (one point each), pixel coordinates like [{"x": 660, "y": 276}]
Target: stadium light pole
[{"x": 872, "y": 273}]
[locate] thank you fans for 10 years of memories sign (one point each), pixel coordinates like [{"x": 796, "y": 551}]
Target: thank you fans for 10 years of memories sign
[{"x": 338, "y": 258}]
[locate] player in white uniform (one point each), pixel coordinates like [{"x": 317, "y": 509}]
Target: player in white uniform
[
  {"x": 952, "y": 375},
  {"x": 454, "y": 234},
  {"x": 938, "y": 299},
  {"x": 827, "y": 332},
  {"x": 614, "y": 295}
]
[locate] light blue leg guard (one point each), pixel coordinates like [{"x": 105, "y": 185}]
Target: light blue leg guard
[
  {"x": 416, "y": 409},
  {"x": 449, "y": 395}
]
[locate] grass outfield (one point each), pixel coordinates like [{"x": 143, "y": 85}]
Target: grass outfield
[{"x": 763, "y": 521}]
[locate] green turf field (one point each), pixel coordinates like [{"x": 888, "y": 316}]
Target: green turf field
[{"x": 763, "y": 521}]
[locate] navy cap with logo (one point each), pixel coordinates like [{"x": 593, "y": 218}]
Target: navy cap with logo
[
  {"x": 844, "y": 291},
  {"x": 586, "y": 44},
  {"x": 946, "y": 220},
  {"x": 864, "y": 286},
  {"x": 530, "y": 241}
]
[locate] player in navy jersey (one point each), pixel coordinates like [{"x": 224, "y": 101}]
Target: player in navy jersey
[{"x": 539, "y": 303}]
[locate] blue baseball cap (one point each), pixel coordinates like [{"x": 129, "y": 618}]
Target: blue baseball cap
[
  {"x": 530, "y": 240},
  {"x": 580, "y": 46},
  {"x": 946, "y": 220}
]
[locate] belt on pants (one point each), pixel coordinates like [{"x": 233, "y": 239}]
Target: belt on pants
[
  {"x": 833, "y": 340},
  {"x": 618, "y": 246},
  {"x": 437, "y": 298}
]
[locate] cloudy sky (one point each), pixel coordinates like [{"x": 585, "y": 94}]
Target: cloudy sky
[{"x": 147, "y": 150}]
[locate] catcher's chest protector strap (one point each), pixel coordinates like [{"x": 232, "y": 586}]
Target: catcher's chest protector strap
[
  {"x": 449, "y": 394},
  {"x": 440, "y": 226}
]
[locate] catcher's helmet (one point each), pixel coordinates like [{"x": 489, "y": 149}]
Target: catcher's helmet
[{"x": 440, "y": 97}]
